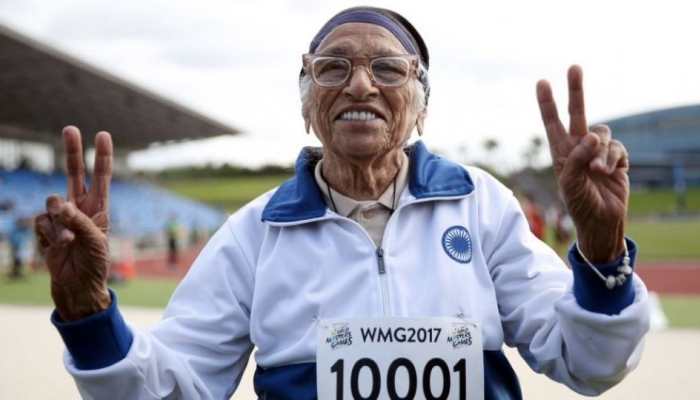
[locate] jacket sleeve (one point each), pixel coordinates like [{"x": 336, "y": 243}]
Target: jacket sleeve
[
  {"x": 565, "y": 323},
  {"x": 197, "y": 351}
]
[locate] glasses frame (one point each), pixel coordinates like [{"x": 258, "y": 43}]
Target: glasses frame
[{"x": 311, "y": 59}]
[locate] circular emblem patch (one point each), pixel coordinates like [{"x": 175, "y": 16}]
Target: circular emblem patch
[{"x": 457, "y": 244}]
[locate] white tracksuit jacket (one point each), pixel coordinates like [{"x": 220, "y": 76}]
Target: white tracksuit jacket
[{"x": 284, "y": 261}]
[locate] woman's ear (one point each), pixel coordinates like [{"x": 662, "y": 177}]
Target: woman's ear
[
  {"x": 420, "y": 121},
  {"x": 306, "y": 114}
]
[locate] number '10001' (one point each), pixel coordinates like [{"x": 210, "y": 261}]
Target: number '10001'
[{"x": 429, "y": 392}]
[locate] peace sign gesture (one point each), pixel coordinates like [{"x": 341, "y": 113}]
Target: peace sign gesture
[
  {"x": 591, "y": 170},
  {"x": 73, "y": 234}
]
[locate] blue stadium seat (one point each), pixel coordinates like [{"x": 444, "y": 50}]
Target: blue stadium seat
[{"x": 137, "y": 209}]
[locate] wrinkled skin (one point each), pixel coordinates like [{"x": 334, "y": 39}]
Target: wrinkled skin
[
  {"x": 591, "y": 170},
  {"x": 73, "y": 234},
  {"x": 361, "y": 159}
]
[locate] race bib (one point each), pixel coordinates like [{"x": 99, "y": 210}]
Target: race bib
[{"x": 399, "y": 358}]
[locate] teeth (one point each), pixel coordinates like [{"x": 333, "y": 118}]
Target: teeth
[{"x": 358, "y": 116}]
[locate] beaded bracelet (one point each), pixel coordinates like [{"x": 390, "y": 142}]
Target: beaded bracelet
[{"x": 611, "y": 281}]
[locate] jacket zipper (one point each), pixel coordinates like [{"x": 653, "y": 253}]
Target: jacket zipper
[
  {"x": 384, "y": 284},
  {"x": 379, "y": 252},
  {"x": 381, "y": 266}
]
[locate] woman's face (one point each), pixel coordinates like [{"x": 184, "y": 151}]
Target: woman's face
[{"x": 393, "y": 107}]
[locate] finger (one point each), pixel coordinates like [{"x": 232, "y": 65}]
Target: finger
[
  {"x": 65, "y": 237},
  {"x": 53, "y": 205},
  {"x": 59, "y": 236},
  {"x": 548, "y": 110},
  {"x": 44, "y": 231},
  {"x": 600, "y": 162},
  {"x": 51, "y": 233},
  {"x": 617, "y": 157},
  {"x": 103, "y": 170},
  {"x": 74, "y": 162},
  {"x": 101, "y": 220},
  {"x": 577, "y": 109},
  {"x": 582, "y": 154},
  {"x": 77, "y": 222},
  {"x": 603, "y": 132}
]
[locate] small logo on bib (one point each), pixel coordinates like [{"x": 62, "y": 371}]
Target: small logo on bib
[
  {"x": 460, "y": 336},
  {"x": 340, "y": 335},
  {"x": 458, "y": 244}
]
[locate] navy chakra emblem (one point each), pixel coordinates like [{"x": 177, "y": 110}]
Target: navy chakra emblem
[{"x": 457, "y": 244}]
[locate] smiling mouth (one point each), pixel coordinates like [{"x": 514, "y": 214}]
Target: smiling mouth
[{"x": 357, "y": 116}]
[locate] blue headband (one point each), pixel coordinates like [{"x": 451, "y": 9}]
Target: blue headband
[
  {"x": 366, "y": 16},
  {"x": 410, "y": 39}
]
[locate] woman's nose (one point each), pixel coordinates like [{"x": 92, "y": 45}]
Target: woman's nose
[{"x": 360, "y": 85}]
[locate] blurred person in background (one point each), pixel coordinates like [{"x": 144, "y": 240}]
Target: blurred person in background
[
  {"x": 20, "y": 239},
  {"x": 172, "y": 234},
  {"x": 680, "y": 188},
  {"x": 196, "y": 235},
  {"x": 563, "y": 229},
  {"x": 369, "y": 228},
  {"x": 535, "y": 217}
]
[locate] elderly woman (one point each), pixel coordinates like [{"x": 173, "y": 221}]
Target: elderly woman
[{"x": 379, "y": 270}]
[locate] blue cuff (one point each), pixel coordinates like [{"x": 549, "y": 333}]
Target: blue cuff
[
  {"x": 97, "y": 341},
  {"x": 590, "y": 291}
]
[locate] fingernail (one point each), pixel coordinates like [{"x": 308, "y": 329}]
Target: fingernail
[
  {"x": 589, "y": 141},
  {"x": 66, "y": 237},
  {"x": 53, "y": 207},
  {"x": 68, "y": 210}
]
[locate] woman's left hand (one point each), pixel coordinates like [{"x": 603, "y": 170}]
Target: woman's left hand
[{"x": 591, "y": 170}]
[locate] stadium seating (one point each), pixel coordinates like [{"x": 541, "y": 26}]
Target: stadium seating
[{"x": 137, "y": 209}]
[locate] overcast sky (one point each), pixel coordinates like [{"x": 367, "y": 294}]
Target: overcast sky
[{"x": 238, "y": 62}]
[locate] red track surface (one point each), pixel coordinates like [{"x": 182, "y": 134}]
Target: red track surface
[
  {"x": 157, "y": 267},
  {"x": 671, "y": 277},
  {"x": 660, "y": 277}
]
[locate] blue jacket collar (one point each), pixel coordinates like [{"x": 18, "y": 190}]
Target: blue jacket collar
[{"x": 429, "y": 176}]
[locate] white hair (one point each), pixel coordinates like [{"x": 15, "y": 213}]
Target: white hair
[{"x": 306, "y": 83}]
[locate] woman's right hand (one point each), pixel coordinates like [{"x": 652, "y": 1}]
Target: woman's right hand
[{"x": 73, "y": 233}]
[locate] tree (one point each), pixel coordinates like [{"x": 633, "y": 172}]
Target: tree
[
  {"x": 490, "y": 145},
  {"x": 533, "y": 150}
]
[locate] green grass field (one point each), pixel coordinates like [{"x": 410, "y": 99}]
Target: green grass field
[
  {"x": 682, "y": 311},
  {"x": 33, "y": 289},
  {"x": 227, "y": 193},
  {"x": 232, "y": 193},
  {"x": 666, "y": 239},
  {"x": 662, "y": 201},
  {"x": 661, "y": 239}
]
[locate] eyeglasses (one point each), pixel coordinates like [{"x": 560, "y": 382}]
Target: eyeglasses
[{"x": 332, "y": 71}]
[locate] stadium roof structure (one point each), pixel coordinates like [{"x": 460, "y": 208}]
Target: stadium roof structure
[
  {"x": 664, "y": 146},
  {"x": 665, "y": 136},
  {"x": 43, "y": 89}
]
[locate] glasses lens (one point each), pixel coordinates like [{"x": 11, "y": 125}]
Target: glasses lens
[
  {"x": 390, "y": 71},
  {"x": 330, "y": 71}
]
